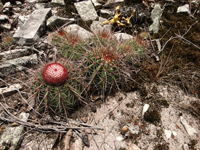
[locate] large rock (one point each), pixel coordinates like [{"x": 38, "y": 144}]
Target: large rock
[
  {"x": 13, "y": 136},
  {"x": 56, "y": 21},
  {"x": 97, "y": 28},
  {"x": 86, "y": 10},
  {"x": 78, "y": 31},
  {"x": 14, "y": 65},
  {"x": 34, "y": 27}
]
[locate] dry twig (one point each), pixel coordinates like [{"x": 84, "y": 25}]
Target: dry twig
[{"x": 67, "y": 139}]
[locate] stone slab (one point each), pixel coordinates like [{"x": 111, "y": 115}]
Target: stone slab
[
  {"x": 13, "y": 136},
  {"x": 14, "y": 65},
  {"x": 13, "y": 54},
  {"x": 34, "y": 27},
  {"x": 86, "y": 10}
]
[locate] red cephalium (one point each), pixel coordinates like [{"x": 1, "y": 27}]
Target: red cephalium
[{"x": 54, "y": 74}]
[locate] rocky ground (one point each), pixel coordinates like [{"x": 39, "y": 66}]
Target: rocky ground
[{"x": 158, "y": 107}]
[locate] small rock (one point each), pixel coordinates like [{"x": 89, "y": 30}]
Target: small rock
[
  {"x": 7, "y": 5},
  {"x": 145, "y": 108},
  {"x": 96, "y": 4},
  {"x": 39, "y": 5},
  {"x": 18, "y": 2},
  {"x": 21, "y": 20},
  {"x": 155, "y": 16},
  {"x": 16, "y": 9},
  {"x": 5, "y": 26},
  {"x": 9, "y": 90},
  {"x": 133, "y": 147},
  {"x": 86, "y": 10},
  {"x": 113, "y": 3},
  {"x": 119, "y": 138},
  {"x": 55, "y": 21},
  {"x": 184, "y": 9},
  {"x": 191, "y": 131},
  {"x": 133, "y": 130},
  {"x": 78, "y": 144},
  {"x": 3, "y": 17},
  {"x": 105, "y": 13},
  {"x": 124, "y": 129},
  {"x": 123, "y": 36},
  {"x": 169, "y": 133},
  {"x": 6, "y": 8},
  {"x": 57, "y": 2},
  {"x": 185, "y": 147}
]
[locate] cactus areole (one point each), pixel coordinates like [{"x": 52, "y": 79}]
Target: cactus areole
[{"x": 55, "y": 74}]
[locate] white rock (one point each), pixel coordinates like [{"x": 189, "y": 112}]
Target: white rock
[
  {"x": 119, "y": 138},
  {"x": 13, "y": 135},
  {"x": 18, "y": 2},
  {"x": 145, "y": 108},
  {"x": 8, "y": 4},
  {"x": 191, "y": 131},
  {"x": 81, "y": 32},
  {"x": 3, "y": 17},
  {"x": 96, "y": 27},
  {"x": 133, "y": 147},
  {"x": 169, "y": 133},
  {"x": 86, "y": 10},
  {"x": 58, "y": 2},
  {"x": 105, "y": 12},
  {"x": 56, "y": 21},
  {"x": 155, "y": 16},
  {"x": 185, "y": 147},
  {"x": 33, "y": 28},
  {"x": 13, "y": 53},
  {"x": 8, "y": 90},
  {"x": 113, "y": 2},
  {"x": 123, "y": 36},
  {"x": 184, "y": 9},
  {"x": 96, "y": 4}
]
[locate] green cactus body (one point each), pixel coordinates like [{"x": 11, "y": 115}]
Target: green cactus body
[
  {"x": 71, "y": 45},
  {"x": 57, "y": 99}
]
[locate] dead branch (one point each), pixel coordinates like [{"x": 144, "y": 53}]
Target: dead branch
[
  {"x": 67, "y": 139},
  {"x": 48, "y": 128}
]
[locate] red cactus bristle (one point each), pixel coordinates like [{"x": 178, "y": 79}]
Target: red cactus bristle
[
  {"x": 54, "y": 74},
  {"x": 62, "y": 33}
]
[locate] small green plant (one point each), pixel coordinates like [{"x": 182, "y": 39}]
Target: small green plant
[{"x": 7, "y": 41}]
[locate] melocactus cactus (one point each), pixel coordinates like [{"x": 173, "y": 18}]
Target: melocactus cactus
[
  {"x": 57, "y": 88},
  {"x": 54, "y": 74}
]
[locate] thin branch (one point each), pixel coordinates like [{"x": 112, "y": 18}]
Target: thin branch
[{"x": 47, "y": 127}]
